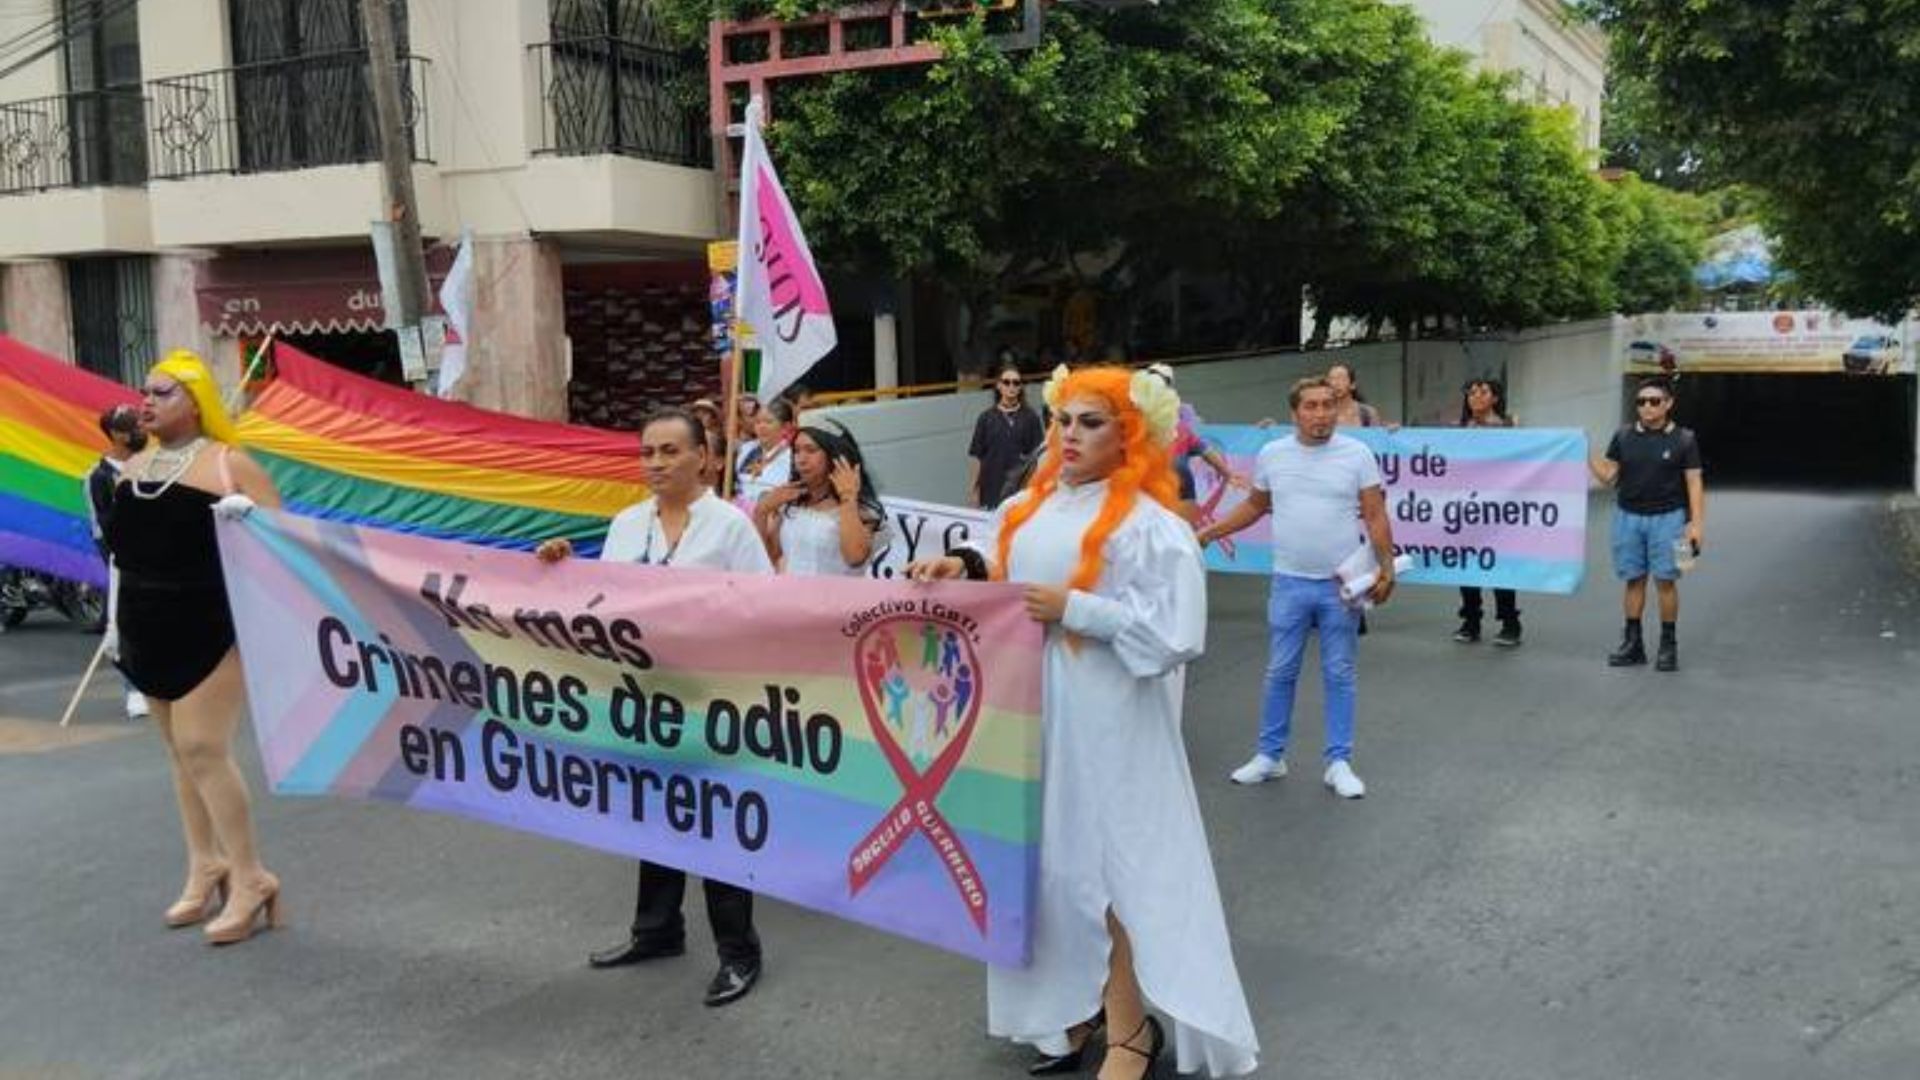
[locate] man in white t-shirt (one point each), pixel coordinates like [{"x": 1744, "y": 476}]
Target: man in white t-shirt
[{"x": 1321, "y": 488}]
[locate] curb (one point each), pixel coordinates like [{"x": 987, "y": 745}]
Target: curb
[{"x": 1903, "y": 516}]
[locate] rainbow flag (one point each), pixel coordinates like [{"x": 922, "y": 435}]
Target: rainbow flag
[
  {"x": 49, "y": 440},
  {"x": 870, "y": 749},
  {"x": 347, "y": 448}
]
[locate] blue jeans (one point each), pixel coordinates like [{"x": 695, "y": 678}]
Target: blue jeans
[{"x": 1297, "y": 606}]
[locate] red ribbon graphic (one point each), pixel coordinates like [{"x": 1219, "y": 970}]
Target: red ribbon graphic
[{"x": 916, "y": 811}]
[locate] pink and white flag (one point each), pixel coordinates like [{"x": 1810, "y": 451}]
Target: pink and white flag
[
  {"x": 780, "y": 295},
  {"x": 456, "y": 299}
]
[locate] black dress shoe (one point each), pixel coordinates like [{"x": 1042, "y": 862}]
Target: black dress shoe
[
  {"x": 634, "y": 950},
  {"x": 732, "y": 981}
]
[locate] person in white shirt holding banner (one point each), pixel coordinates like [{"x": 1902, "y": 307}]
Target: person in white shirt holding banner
[
  {"x": 683, "y": 524},
  {"x": 1315, "y": 483}
]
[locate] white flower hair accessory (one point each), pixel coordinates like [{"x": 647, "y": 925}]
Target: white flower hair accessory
[
  {"x": 1056, "y": 386},
  {"x": 1159, "y": 406}
]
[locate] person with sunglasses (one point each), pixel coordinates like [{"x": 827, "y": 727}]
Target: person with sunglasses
[
  {"x": 682, "y": 523},
  {"x": 1659, "y": 506},
  {"x": 176, "y": 635},
  {"x": 1003, "y": 436}
]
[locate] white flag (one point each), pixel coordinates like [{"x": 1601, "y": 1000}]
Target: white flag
[
  {"x": 779, "y": 295},
  {"x": 456, "y": 299}
]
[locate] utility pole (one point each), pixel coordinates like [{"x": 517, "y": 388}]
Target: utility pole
[{"x": 396, "y": 169}]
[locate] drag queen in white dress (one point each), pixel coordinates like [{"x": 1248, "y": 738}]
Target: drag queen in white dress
[{"x": 1129, "y": 915}]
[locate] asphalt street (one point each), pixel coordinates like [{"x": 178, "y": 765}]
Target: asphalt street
[{"x": 1560, "y": 871}]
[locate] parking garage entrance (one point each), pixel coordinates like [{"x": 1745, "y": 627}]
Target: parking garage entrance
[{"x": 1802, "y": 430}]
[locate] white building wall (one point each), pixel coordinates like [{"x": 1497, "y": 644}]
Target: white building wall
[
  {"x": 1559, "y": 60},
  {"x": 42, "y": 77}
]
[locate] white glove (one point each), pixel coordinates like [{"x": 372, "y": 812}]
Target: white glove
[{"x": 233, "y": 507}]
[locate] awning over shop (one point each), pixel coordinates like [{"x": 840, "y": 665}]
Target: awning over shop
[{"x": 248, "y": 294}]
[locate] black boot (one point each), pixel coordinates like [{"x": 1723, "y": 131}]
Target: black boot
[
  {"x": 1668, "y": 658},
  {"x": 1469, "y": 631},
  {"x": 1632, "y": 650},
  {"x": 1509, "y": 634}
]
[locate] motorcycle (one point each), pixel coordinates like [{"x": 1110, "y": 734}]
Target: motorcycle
[{"x": 24, "y": 591}]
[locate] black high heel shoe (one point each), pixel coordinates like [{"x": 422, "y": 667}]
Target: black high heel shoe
[
  {"x": 1071, "y": 1061},
  {"x": 1154, "y": 1045}
]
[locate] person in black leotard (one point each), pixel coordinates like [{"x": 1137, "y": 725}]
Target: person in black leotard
[{"x": 176, "y": 634}]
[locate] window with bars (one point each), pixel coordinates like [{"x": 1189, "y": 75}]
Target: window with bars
[
  {"x": 616, "y": 83},
  {"x": 301, "y": 92},
  {"x": 111, "y": 305}
]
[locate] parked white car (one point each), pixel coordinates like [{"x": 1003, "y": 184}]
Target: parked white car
[{"x": 1871, "y": 354}]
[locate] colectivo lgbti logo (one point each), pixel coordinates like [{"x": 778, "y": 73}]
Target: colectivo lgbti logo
[{"x": 921, "y": 685}]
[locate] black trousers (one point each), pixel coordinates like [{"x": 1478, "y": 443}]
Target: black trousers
[
  {"x": 656, "y": 913},
  {"x": 1472, "y": 607}
]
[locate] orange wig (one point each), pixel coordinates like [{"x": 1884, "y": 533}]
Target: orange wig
[{"x": 1144, "y": 467}]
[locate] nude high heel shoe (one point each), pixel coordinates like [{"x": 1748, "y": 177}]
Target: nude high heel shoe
[
  {"x": 241, "y": 916},
  {"x": 206, "y": 890}
]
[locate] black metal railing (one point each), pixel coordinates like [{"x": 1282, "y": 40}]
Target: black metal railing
[
  {"x": 89, "y": 138},
  {"x": 279, "y": 115},
  {"x": 611, "y": 95}
]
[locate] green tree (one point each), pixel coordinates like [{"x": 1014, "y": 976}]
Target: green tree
[
  {"x": 1283, "y": 145},
  {"x": 1631, "y": 138},
  {"x": 1814, "y": 102},
  {"x": 1662, "y": 242}
]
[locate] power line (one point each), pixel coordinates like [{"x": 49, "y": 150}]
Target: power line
[{"x": 101, "y": 12}]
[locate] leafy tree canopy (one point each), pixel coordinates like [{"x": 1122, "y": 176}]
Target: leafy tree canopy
[
  {"x": 1323, "y": 146},
  {"x": 1814, "y": 102}
]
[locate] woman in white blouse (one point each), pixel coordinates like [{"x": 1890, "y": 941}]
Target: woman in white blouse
[
  {"x": 827, "y": 519},
  {"x": 766, "y": 462}
]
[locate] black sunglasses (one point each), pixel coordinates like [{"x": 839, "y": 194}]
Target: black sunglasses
[{"x": 1650, "y": 401}]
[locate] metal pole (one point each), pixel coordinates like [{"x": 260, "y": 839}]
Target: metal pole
[{"x": 396, "y": 165}]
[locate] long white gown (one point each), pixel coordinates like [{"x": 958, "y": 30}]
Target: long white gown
[{"x": 1121, "y": 827}]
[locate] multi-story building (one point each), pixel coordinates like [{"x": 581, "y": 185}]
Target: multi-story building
[
  {"x": 1560, "y": 60},
  {"x": 202, "y": 173}
]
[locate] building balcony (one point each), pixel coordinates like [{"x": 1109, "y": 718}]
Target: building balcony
[
  {"x": 278, "y": 116},
  {"x": 92, "y": 138},
  {"x": 612, "y": 95}
]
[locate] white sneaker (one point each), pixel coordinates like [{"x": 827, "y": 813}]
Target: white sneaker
[
  {"x": 1259, "y": 770},
  {"x": 1344, "y": 781},
  {"x": 136, "y": 705}
]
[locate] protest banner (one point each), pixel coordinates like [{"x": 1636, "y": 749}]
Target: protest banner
[
  {"x": 923, "y": 530},
  {"x": 867, "y": 749},
  {"x": 1499, "y": 507}
]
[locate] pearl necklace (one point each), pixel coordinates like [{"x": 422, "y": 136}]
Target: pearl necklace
[{"x": 173, "y": 462}]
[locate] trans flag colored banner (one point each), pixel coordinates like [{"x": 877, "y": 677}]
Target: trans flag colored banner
[
  {"x": 1500, "y": 507},
  {"x": 868, "y": 749}
]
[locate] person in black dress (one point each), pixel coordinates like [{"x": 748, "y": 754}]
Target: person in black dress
[
  {"x": 177, "y": 638},
  {"x": 1003, "y": 436}
]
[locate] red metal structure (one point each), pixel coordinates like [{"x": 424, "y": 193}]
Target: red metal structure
[{"x": 855, "y": 38}]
